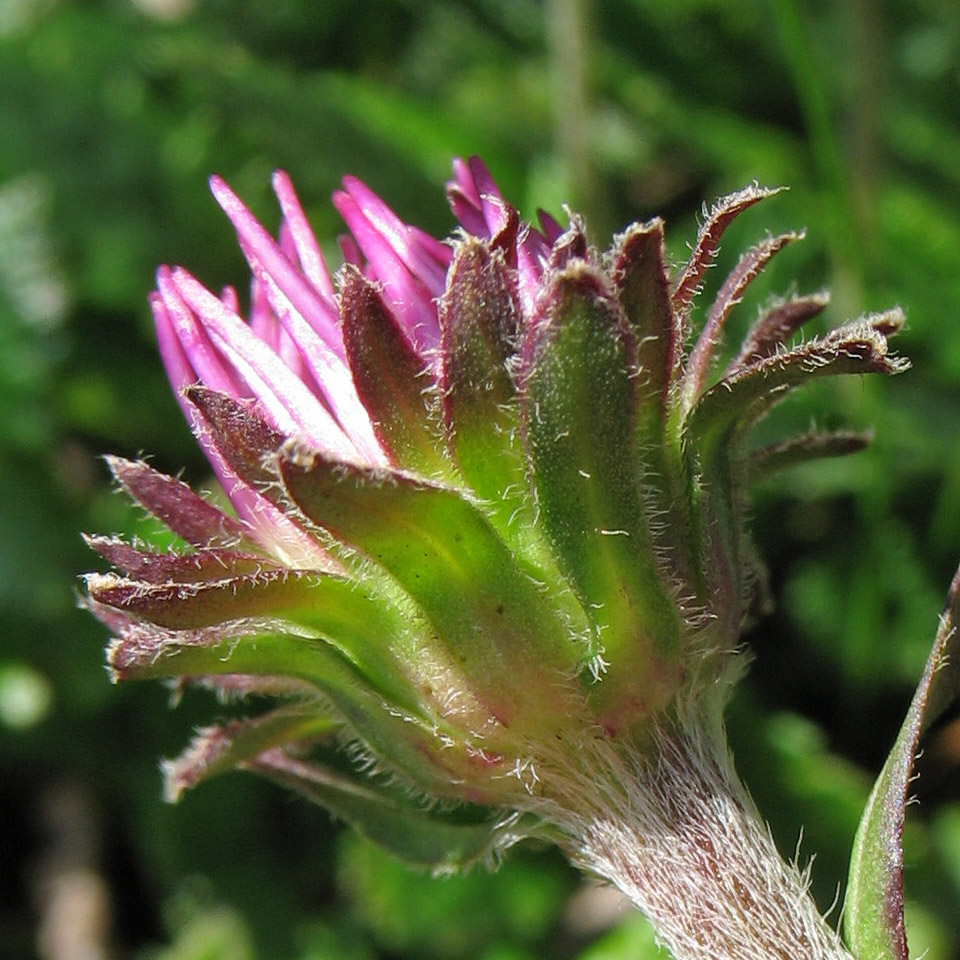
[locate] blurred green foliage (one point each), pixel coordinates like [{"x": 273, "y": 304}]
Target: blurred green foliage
[{"x": 113, "y": 113}]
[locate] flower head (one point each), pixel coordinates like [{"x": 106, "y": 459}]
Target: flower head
[{"x": 488, "y": 504}]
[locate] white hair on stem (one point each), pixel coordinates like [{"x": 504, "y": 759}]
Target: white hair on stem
[{"x": 671, "y": 826}]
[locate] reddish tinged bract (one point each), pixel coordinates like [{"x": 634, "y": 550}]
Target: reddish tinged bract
[{"x": 488, "y": 502}]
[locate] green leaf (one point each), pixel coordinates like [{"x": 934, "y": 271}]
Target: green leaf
[
  {"x": 859, "y": 347},
  {"x": 216, "y": 750},
  {"x": 776, "y": 325},
  {"x": 721, "y": 215},
  {"x": 770, "y": 460},
  {"x": 479, "y": 316},
  {"x": 240, "y": 431},
  {"x": 178, "y": 507},
  {"x": 196, "y": 566},
  {"x": 406, "y": 741},
  {"x": 873, "y": 914},
  {"x": 187, "y": 606},
  {"x": 731, "y": 292},
  {"x": 642, "y": 284},
  {"x": 643, "y": 288},
  {"x": 424, "y": 836}
]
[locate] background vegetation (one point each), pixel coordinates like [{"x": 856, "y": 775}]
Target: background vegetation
[{"x": 112, "y": 114}]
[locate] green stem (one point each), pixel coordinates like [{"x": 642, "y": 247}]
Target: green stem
[
  {"x": 830, "y": 164},
  {"x": 568, "y": 37}
]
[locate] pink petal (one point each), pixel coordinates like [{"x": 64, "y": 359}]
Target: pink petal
[
  {"x": 495, "y": 213},
  {"x": 491, "y": 200},
  {"x": 198, "y": 350},
  {"x": 463, "y": 178},
  {"x": 288, "y": 351},
  {"x": 529, "y": 272},
  {"x": 304, "y": 240},
  {"x": 268, "y": 525},
  {"x": 321, "y": 316},
  {"x": 434, "y": 248},
  {"x": 350, "y": 251},
  {"x": 485, "y": 184},
  {"x": 293, "y": 408},
  {"x": 285, "y": 241},
  {"x": 405, "y": 295},
  {"x": 262, "y": 321},
  {"x": 469, "y": 216},
  {"x": 229, "y": 298},
  {"x": 551, "y": 228},
  {"x": 180, "y": 372},
  {"x": 402, "y": 240},
  {"x": 329, "y": 372}
]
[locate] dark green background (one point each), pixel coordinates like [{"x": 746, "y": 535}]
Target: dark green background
[{"x": 111, "y": 118}]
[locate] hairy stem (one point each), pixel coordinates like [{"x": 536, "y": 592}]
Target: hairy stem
[{"x": 674, "y": 830}]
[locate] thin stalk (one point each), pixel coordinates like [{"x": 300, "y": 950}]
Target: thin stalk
[
  {"x": 568, "y": 37},
  {"x": 830, "y": 163}
]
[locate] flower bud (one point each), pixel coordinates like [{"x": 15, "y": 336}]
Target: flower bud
[{"x": 489, "y": 506}]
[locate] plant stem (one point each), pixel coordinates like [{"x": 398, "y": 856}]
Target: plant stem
[
  {"x": 569, "y": 40},
  {"x": 675, "y": 831}
]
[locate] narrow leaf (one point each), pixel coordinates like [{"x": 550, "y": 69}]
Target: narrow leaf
[
  {"x": 479, "y": 318},
  {"x": 640, "y": 279},
  {"x": 188, "y": 606},
  {"x": 719, "y": 424},
  {"x": 748, "y": 267},
  {"x": 873, "y": 914},
  {"x": 417, "y": 835},
  {"x": 240, "y": 431},
  {"x": 642, "y": 284},
  {"x": 770, "y": 460},
  {"x": 216, "y": 750},
  {"x": 744, "y": 395},
  {"x": 404, "y": 740},
  {"x": 775, "y": 327},
  {"x": 721, "y": 215},
  {"x": 371, "y": 633},
  {"x": 195, "y": 567}
]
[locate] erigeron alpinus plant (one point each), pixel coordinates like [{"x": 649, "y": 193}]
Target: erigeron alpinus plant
[{"x": 489, "y": 539}]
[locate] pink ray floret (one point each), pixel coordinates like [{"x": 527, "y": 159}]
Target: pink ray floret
[
  {"x": 289, "y": 354},
  {"x": 477, "y": 203},
  {"x": 295, "y": 285},
  {"x": 268, "y": 524},
  {"x": 305, "y": 242},
  {"x": 427, "y": 262},
  {"x": 414, "y": 305}
]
